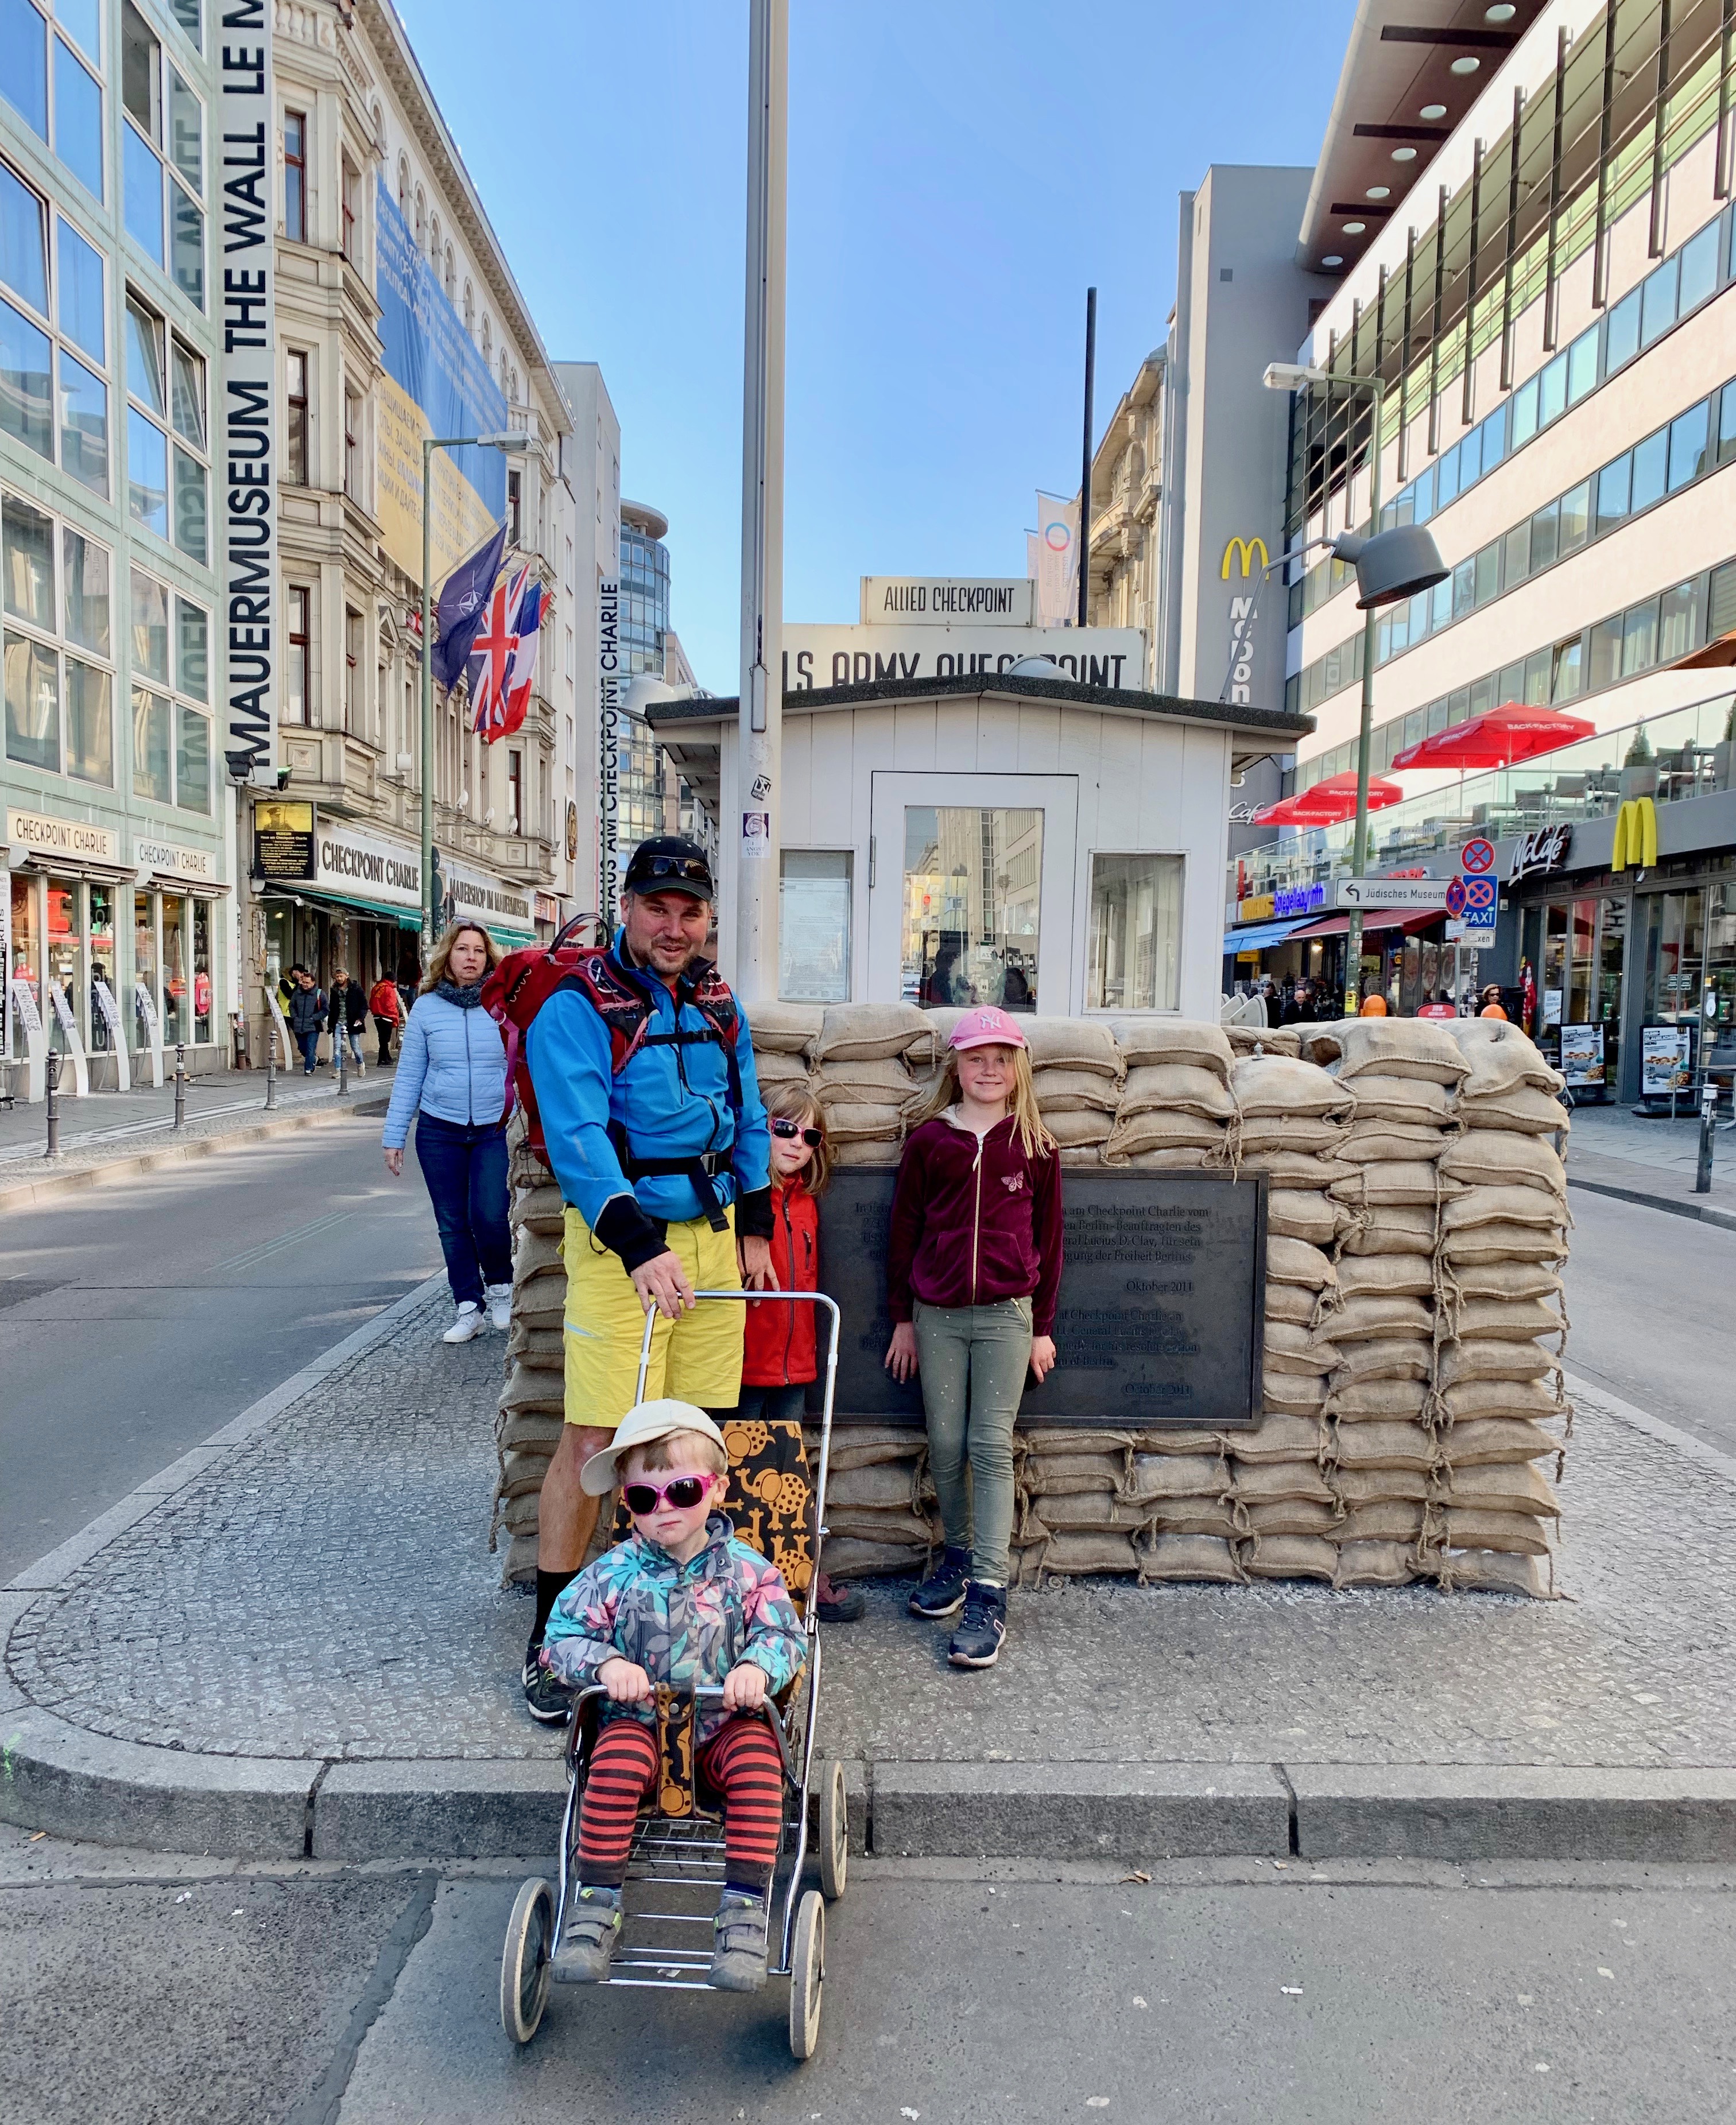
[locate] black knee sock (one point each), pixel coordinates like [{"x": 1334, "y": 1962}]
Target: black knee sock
[{"x": 549, "y": 1586}]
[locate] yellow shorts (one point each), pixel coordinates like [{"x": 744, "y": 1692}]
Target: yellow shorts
[{"x": 696, "y": 1358}]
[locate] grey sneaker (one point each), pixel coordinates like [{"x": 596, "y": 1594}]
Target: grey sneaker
[
  {"x": 943, "y": 1592},
  {"x": 500, "y": 1305},
  {"x": 589, "y": 1937},
  {"x": 738, "y": 1937},
  {"x": 977, "y": 1641},
  {"x": 548, "y": 1700}
]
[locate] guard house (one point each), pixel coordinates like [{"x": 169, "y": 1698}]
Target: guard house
[{"x": 990, "y": 838}]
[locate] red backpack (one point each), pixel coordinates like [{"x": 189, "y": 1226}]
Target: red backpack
[{"x": 524, "y": 981}]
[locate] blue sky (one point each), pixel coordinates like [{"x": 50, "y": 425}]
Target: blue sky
[{"x": 959, "y": 173}]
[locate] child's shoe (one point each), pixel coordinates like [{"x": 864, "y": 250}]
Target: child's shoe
[
  {"x": 739, "y": 1950},
  {"x": 589, "y": 1937},
  {"x": 500, "y": 1305},
  {"x": 943, "y": 1592},
  {"x": 833, "y": 1603},
  {"x": 977, "y": 1641}
]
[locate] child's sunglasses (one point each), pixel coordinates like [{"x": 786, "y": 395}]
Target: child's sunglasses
[
  {"x": 682, "y": 1492},
  {"x": 812, "y": 1138}
]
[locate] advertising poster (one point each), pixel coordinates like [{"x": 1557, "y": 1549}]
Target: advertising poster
[
  {"x": 435, "y": 383},
  {"x": 1582, "y": 1055},
  {"x": 1666, "y": 1061}
]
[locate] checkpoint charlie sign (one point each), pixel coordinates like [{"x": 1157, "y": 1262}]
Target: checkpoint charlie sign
[{"x": 1162, "y": 1315}]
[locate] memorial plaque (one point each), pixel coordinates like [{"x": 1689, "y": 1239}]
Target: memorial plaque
[
  {"x": 1163, "y": 1304},
  {"x": 283, "y": 839}
]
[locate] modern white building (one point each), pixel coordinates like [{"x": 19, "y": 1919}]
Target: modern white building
[{"x": 593, "y": 473}]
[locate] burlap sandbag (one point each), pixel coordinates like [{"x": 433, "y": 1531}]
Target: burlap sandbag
[
  {"x": 1405, "y": 1102},
  {"x": 1279, "y": 1087},
  {"x": 872, "y": 1032},
  {"x": 1077, "y": 1554},
  {"x": 1173, "y": 1158},
  {"x": 887, "y": 1485},
  {"x": 1389, "y": 1229},
  {"x": 1383, "y": 1143},
  {"x": 1478, "y": 1359},
  {"x": 1523, "y": 1110},
  {"x": 1370, "y": 1486},
  {"x": 1489, "y": 1571},
  {"x": 1040, "y": 1438},
  {"x": 1505, "y": 1280},
  {"x": 1061, "y": 1091},
  {"x": 1176, "y": 1088},
  {"x": 1372, "y": 1402},
  {"x": 1156, "y": 1043},
  {"x": 536, "y": 1253},
  {"x": 1292, "y": 1349},
  {"x": 1304, "y": 1213},
  {"x": 885, "y": 1082},
  {"x": 1484, "y": 1441},
  {"x": 1539, "y": 1208},
  {"x": 1192, "y": 1516},
  {"x": 1500, "y": 1058},
  {"x": 1281, "y": 1439},
  {"x": 1503, "y": 1158},
  {"x": 1075, "y": 1158},
  {"x": 862, "y": 1445},
  {"x": 521, "y": 1468},
  {"x": 1294, "y": 1261},
  {"x": 1043, "y": 1473},
  {"x": 541, "y": 1350},
  {"x": 1375, "y": 1564},
  {"x": 1467, "y": 1399},
  {"x": 1515, "y": 1533},
  {"x": 1385, "y": 1276},
  {"x": 1289, "y": 1516},
  {"x": 1386, "y": 1445},
  {"x": 866, "y": 1151},
  {"x": 1145, "y": 1133},
  {"x": 865, "y": 1525},
  {"x": 1290, "y": 1169},
  {"x": 540, "y": 1210},
  {"x": 528, "y": 1390},
  {"x": 1290, "y": 1557},
  {"x": 1387, "y": 1520},
  {"x": 541, "y": 1303},
  {"x": 1081, "y": 1130},
  {"x": 1092, "y": 1510},
  {"x": 784, "y": 1028},
  {"x": 1293, "y": 1394},
  {"x": 1184, "y": 1557},
  {"x": 1509, "y": 1487},
  {"x": 849, "y": 1557},
  {"x": 1317, "y": 1039},
  {"x": 1306, "y": 1135},
  {"x": 1391, "y": 1359},
  {"x": 1154, "y": 1476},
  {"x": 1292, "y": 1303},
  {"x": 1269, "y": 1482},
  {"x": 1505, "y": 1319},
  {"x": 778, "y": 1073},
  {"x": 850, "y": 1122},
  {"x": 1262, "y": 1040},
  {"x": 1178, "y": 1439},
  {"x": 1072, "y": 1043},
  {"x": 1504, "y": 1242},
  {"x": 1404, "y": 1183},
  {"x": 1398, "y": 1048},
  {"x": 1371, "y": 1319},
  {"x": 528, "y": 1430}
]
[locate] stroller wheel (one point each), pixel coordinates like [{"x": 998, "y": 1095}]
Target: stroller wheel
[
  {"x": 523, "y": 1962},
  {"x": 807, "y": 1972},
  {"x": 834, "y": 1831}
]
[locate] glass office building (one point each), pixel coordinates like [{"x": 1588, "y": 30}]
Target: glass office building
[{"x": 647, "y": 782}]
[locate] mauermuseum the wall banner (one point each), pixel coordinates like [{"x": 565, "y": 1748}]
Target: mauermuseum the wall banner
[{"x": 435, "y": 383}]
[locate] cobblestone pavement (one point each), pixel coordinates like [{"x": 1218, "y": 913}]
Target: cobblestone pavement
[{"x": 326, "y": 1590}]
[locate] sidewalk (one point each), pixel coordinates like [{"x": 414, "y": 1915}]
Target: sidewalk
[
  {"x": 1612, "y": 1150},
  {"x": 293, "y": 1642},
  {"x": 114, "y": 1135}
]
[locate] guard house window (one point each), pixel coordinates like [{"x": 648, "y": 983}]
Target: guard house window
[
  {"x": 1134, "y": 955},
  {"x": 813, "y": 926},
  {"x": 515, "y": 791},
  {"x": 973, "y": 889},
  {"x": 295, "y": 176},
  {"x": 295, "y": 705},
  {"x": 295, "y": 437}
]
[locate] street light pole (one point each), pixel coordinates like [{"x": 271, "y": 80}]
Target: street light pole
[{"x": 1366, "y": 729}]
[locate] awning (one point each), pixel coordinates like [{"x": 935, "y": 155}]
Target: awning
[
  {"x": 1258, "y": 936},
  {"x": 406, "y": 918},
  {"x": 1409, "y": 919}
]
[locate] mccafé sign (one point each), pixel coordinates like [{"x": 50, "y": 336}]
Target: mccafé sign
[{"x": 1242, "y": 610}]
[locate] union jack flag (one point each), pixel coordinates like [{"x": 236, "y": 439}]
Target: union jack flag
[{"x": 503, "y": 656}]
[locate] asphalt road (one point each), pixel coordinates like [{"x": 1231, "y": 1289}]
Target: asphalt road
[
  {"x": 145, "y": 1991},
  {"x": 138, "y": 1318},
  {"x": 1649, "y": 1295}
]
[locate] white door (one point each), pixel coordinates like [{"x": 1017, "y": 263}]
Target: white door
[{"x": 971, "y": 892}]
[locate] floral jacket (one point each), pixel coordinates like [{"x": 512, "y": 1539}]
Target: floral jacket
[{"x": 684, "y": 1623}]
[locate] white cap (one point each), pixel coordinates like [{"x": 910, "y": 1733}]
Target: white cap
[{"x": 643, "y": 1422}]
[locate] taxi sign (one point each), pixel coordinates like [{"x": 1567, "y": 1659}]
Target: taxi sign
[
  {"x": 1480, "y": 894},
  {"x": 1478, "y": 856}
]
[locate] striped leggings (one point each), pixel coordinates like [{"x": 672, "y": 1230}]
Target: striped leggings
[{"x": 741, "y": 1760}]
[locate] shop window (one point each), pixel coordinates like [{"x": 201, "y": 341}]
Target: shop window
[
  {"x": 295, "y": 426},
  {"x": 972, "y": 906},
  {"x": 1688, "y": 444},
  {"x": 65, "y": 958},
  {"x": 145, "y": 967},
  {"x": 104, "y": 1030},
  {"x": 203, "y": 1000},
  {"x": 1651, "y": 469},
  {"x": 1639, "y": 639},
  {"x": 1622, "y": 340},
  {"x": 814, "y": 911},
  {"x": 295, "y": 176},
  {"x": 151, "y": 775},
  {"x": 1135, "y": 950},
  {"x": 1614, "y": 483},
  {"x": 175, "y": 1014},
  {"x": 1658, "y": 300}
]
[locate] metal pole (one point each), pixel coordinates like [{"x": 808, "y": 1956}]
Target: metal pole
[
  {"x": 52, "y": 1066},
  {"x": 1708, "y": 1115},
  {"x": 1365, "y": 740},
  {"x": 757, "y": 797},
  {"x": 428, "y": 924},
  {"x": 1090, "y": 380},
  {"x": 271, "y": 1068},
  {"x": 180, "y": 1084},
  {"x": 343, "y": 1051}
]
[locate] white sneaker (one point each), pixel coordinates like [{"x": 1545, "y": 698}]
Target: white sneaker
[
  {"x": 500, "y": 1305},
  {"x": 470, "y": 1323}
]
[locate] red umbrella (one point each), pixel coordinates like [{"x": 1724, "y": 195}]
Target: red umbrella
[
  {"x": 1328, "y": 803},
  {"x": 1497, "y": 738}
]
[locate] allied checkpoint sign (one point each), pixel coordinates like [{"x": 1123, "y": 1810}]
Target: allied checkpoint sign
[{"x": 1161, "y": 1317}]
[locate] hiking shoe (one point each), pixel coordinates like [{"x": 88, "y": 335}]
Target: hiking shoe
[
  {"x": 977, "y": 1641},
  {"x": 738, "y": 1937},
  {"x": 833, "y": 1603},
  {"x": 500, "y": 1305},
  {"x": 943, "y": 1592},
  {"x": 470, "y": 1323},
  {"x": 547, "y": 1699},
  {"x": 589, "y": 1937}
]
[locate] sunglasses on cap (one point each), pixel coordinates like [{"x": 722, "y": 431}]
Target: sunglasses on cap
[
  {"x": 682, "y": 1492},
  {"x": 812, "y": 1138},
  {"x": 693, "y": 870}
]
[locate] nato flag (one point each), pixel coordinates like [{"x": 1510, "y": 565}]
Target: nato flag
[{"x": 463, "y": 598}]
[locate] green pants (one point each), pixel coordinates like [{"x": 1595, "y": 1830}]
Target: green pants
[{"x": 973, "y": 1361}]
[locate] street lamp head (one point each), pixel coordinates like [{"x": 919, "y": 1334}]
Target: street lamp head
[
  {"x": 1391, "y": 565},
  {"x": 1291, "y": 376},
  {"x": 512, "y": 441}
]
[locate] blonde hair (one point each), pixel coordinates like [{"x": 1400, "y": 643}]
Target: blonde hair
[
  {"x": 442, "y": 952},
  {"x": 793, "y": 1103},
  {"x": 1037, "y": 1141},
  {"x": 695, "y": 1451}
]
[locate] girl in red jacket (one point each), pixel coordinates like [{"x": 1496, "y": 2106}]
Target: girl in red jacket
[
  {"x": 973, "y": 1268},
  {"x": 779, "y": 1357}
]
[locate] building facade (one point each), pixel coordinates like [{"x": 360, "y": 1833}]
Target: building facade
[
  {"x": 117, "y": 823},
  {"x": 1126, "y": 487},
  {"x": 594, "y": 475}
]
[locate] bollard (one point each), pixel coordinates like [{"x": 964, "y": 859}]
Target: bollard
[
  {"x": 1708, "y": 1115},
  {"x": 271, "y": 1069},
  {"x": 342, "y": 1037},
  {"x": 180, "y": 1084},
  {"x": 53, "y": 1067}
]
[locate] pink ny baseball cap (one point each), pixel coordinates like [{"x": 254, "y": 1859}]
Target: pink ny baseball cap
[{"x": 986, "y": 1027}]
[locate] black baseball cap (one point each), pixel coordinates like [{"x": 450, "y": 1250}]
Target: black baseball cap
[{"x": 670, "y": 863}]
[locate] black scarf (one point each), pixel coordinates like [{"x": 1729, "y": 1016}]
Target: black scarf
[{"x": 466, "y": 998}]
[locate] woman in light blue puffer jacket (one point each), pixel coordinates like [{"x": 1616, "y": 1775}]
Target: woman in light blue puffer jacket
[{"x": 452, "y": 1078}]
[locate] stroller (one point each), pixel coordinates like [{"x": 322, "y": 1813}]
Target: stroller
[{"x": 676, "y": 1867}]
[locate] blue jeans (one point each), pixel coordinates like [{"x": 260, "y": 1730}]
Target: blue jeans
[
  {"x": 354, "y": 1033},
  {"x": 465, "y": 1168},
  {"x": 309, "y": 1043}
]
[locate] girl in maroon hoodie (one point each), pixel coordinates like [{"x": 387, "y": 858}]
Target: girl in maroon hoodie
[{"x": 973, "y": 1268}]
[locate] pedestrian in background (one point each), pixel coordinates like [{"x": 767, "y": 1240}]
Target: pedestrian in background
[
  {"x": 307, "y": 1018},
  {"x": 452, "y": 1078},
  {"x": 348, "y": 1016},
  {"x": 386, "y": 1009}
]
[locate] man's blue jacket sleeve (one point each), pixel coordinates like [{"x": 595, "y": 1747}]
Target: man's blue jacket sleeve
[{"x": 567, "y": 1050}]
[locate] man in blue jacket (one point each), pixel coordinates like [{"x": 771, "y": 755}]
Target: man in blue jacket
[{"x": 643, "y": 1069}]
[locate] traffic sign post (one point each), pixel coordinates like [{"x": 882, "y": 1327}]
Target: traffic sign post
[
  {"x": 1478, "y": 856},
  {"x": 1455, "y": 899}
]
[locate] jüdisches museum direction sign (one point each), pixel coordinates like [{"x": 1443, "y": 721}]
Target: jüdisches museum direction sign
[{"x": 1162, "y": 1313}]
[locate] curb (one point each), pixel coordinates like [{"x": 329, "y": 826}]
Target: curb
[
  {"x": 1702, "y": 1213},
  {"x": 48, "y": 1185}
]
